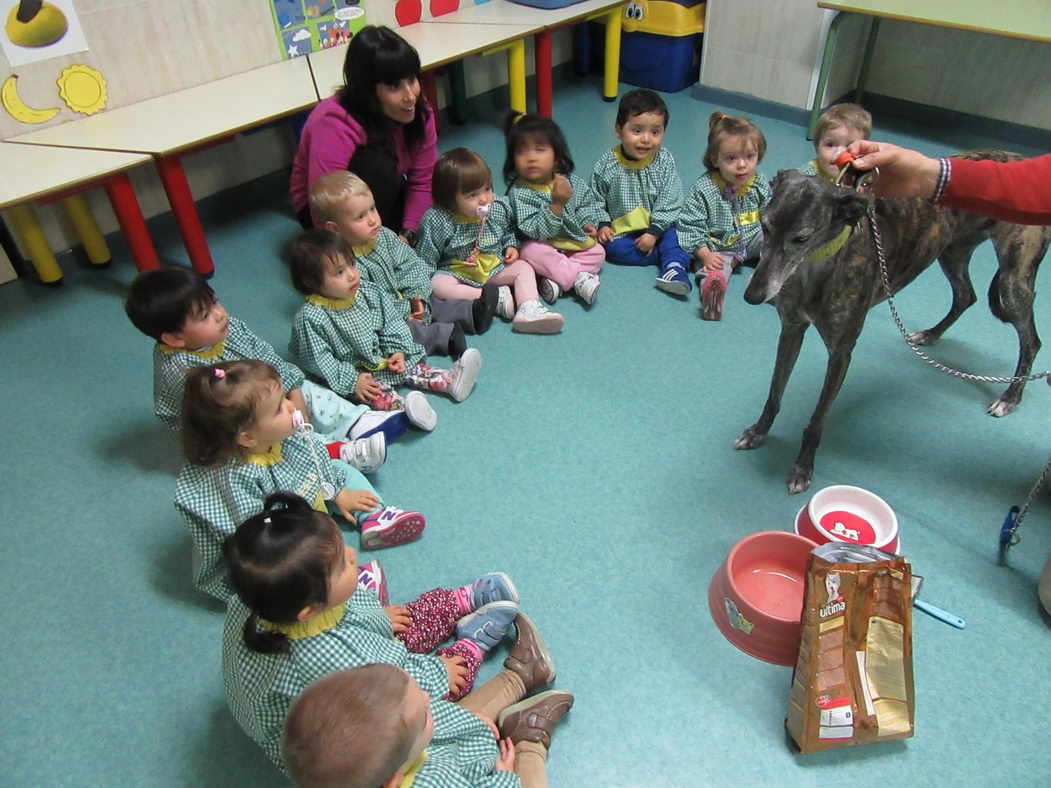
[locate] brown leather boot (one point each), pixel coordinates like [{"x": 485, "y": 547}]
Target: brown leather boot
[
  {"x": 529, "y": 657},
  {"x": 534, "y": 718}
]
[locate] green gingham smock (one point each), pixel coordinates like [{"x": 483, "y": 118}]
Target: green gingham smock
[
  {"x": 396, "y": 269},
  {"x": 260, "y": 688},
  {"x": 461, "y": 753},
  {"x": 813, "y": 168},
  {"x": 338, "y": 339},
  {"x": 707, "y": 218},
  {"x": 214, "y": 501},
  {"x": 170, "y": 365},
  {"x": 531, "y": 205},
  {"x": 446, "y": 240},
  {"x": 638, "y": 196}
]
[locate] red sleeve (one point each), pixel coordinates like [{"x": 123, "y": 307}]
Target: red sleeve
[
  {"x": 418, "y": 179},
  {"x": 1013, "y": 191}
]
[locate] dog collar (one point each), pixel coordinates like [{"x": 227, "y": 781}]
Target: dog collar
[{"x": 829, "y": 249}]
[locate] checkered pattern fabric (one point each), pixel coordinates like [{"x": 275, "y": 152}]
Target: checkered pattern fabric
[
  {"x": 656, "y": 187},
  {"x": 169, "y": 369},
  {"x": 446, "y": 238},
  {"x": 708, "y": 220},
  {"x": 214, "y": 501},
  {"x": 260, "y": 688},
  {"x": 531, "y": 206},
  {"x": 813, "y": 168},
  {"x": 462, "y": 752},
  {"x": 338, "y": 344},
  {"x": 396, "y": 269}
]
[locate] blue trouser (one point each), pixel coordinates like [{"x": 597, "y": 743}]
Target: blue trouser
[{"x": 664, "y": 253}]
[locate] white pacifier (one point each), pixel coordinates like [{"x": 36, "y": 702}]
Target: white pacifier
[{"x": 482, "y": 211}]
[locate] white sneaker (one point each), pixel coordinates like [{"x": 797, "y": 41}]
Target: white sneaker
[
  {"x": 586, "y": 286},
  {"x": 505, "y": 304},
  {"x": 367, "y": 454},
  {"x": 420, "y": 412},
  {"x": 465, "y": 373},
  {"x": 549, "y": 289},
  {"x": 535, "y": 318}
]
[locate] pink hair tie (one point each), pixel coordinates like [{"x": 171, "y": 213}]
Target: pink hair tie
[{"x": 219, "y": 373}]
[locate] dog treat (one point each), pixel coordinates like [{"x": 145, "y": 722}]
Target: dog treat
[{"x": 853, "y": 681}]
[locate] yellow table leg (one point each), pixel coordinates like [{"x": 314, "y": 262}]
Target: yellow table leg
[
  {"x": 87, "y": 228},
  {"x": 28, "y": 230},
  {"x": 516, "y": 75},
  {"x": 612, "y": 74}
]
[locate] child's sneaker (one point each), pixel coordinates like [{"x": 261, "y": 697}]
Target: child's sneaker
[
  {"x": 712, "y": 291},
  {"x": 367, "y": 454},
  {"x": 390, "y": 527},
  {"x": 487, "y": 625},
  {"x": 391, "y": 423},
  {"x": 505, "y": 302},
  {"x": 586, "y": 287},
  {"x": 464, "y": 374},
  {"x": 419, "y": 411},
  {"x": 535, "y": 318},
  {"x": 549, "y": 289},
  {"x": 491, "y": 587},
  {"x": 371, "y": 577},
  {"x": 674, "y": 280}
]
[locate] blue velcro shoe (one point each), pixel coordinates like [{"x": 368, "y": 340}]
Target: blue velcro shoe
[
  {"x": 674, "y": 280},
  {"x": 487, "y": 625},
  {"x": 493, "y": 587}
]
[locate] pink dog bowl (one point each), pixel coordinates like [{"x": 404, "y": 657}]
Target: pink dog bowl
[
  {"x": 842, "y": 513},
  {"x": 756, "y": 595}
]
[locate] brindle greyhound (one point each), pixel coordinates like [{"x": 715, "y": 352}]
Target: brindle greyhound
[{"x": 819, "y": 266}]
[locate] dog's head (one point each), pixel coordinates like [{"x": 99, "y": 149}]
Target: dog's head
[{"x": 806, "y": 213}]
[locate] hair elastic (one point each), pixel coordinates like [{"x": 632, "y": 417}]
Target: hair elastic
[{"x": 219, "y": 373}]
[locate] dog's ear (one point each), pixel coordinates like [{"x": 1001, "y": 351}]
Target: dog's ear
[{"x": 850, "y": 207}]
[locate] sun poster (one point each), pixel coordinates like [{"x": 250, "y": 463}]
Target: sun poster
[{"x": 305, "y": 26}]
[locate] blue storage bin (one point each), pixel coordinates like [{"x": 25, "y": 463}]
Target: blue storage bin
[{"x": 660, "y": 44}]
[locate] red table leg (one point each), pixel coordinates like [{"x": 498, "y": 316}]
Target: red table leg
[
  {"x": 542, "y": 58},
  {"x": 129, "y": 216},
  {"x": 185, "y": 211},
  {"x": 430, "y": 92}
]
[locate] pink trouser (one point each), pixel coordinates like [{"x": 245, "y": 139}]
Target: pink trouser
[
  {"x": 519, "y": 275},
  {"x": 434, "y": 616},
  {"x": 561, "y": 266}
]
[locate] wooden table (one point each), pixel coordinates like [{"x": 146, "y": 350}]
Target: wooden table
[
  {"x": 1028, "y": 19},
  {"x": 33, "y": 172},
  {"x": 171, "y": 126}
]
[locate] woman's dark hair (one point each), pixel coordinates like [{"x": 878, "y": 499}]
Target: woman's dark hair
[
  {"x": 639, "y": 102},
  {"x": 219, "y": 402},
  {"x": 309, "y": 253},
  {"x": 162, "y": 300},
  {"x": 458, "y": 171},
  {"x": 518, "y": 128},
  {"x": 279, "y": 561},
  {"x": 378, "y": 56}
]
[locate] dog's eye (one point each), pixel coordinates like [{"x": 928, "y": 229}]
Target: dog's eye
[{"x": 802, "y": 238}]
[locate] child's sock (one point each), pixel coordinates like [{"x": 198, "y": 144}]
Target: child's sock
[
  {"x": 387, "y": 399},
  {"x": 427, "y": 378}
]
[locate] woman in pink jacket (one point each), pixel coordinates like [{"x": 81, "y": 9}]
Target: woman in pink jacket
[{"x": 378, "y": 126}]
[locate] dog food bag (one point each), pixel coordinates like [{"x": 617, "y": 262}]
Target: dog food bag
[{"x": 852, "y": 682}]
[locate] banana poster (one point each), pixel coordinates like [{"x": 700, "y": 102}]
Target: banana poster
[{"x": 36, "y": 30}]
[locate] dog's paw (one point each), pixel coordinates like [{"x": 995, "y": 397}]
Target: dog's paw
[
  {"x": 799, "y": 479},
  {"x": 1000, "y": 407},
  {"x": 751, "y": 438},
  {"x": 922, "y": 338}
]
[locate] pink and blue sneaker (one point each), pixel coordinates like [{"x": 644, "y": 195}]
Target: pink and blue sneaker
[
  {"x": 390, "y": 527},
  {"x": 371, "y": 577}
]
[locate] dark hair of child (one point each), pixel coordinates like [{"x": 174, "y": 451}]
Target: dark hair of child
[
  {"x": 379, "y": 56},
  {"x": 639, "y": 102},
  {"x": 310, "y": 251},
  {"x": 162, "y": 300},
  {"x": 458, "y": 171},
  {"x": 348, "y": 729},
  {"x": 279, "y": 561},
  {"x": 721, "y": 126},
  {"x": 519, "y": 129},
  {"x": 218, "y": 406}
]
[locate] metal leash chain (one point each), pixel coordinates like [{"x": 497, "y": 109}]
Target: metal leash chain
[{"x": 1015, "y": 538}]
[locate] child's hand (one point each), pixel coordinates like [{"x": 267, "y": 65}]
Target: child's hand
[
  {"x": 590, "y": 230},
  {"x": 645, "y": 243},
  {"x": 510, "y": 254},
  {"x": 418, "y": 308},
  {"x": 396, "y": 362},
  {"x": 351, "y": 501},
  {"x": 457, "y": 673},
  {"x": 505, "y": 761},
  {"x": 605, "y": 235},
  {"x": 561, "y": 190},
  {"x": 400, "y": 620},
  {"x": 712, "y": 261},
  {"x": 366, "y": 389}
]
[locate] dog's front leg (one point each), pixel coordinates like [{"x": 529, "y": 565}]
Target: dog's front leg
[{"x": 788, "y": 345}]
